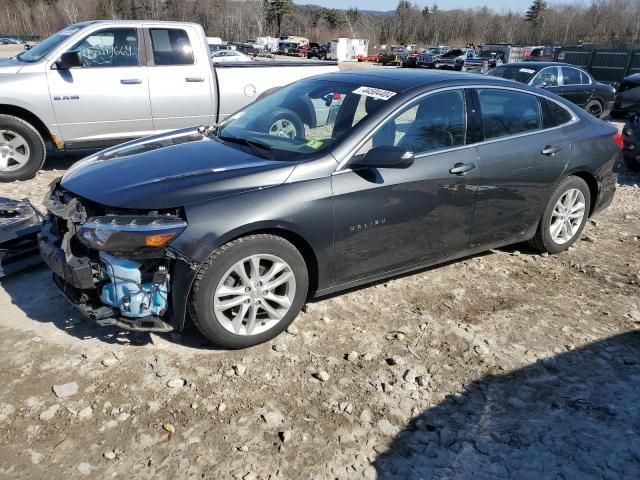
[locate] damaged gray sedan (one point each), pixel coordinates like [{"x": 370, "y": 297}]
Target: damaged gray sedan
[{"x": 364, "y": 176}]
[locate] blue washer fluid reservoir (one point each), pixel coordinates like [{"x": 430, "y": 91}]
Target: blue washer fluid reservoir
[{"x": 126, "y": 292}]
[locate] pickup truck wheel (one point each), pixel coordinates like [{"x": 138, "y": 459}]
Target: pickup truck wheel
[
  {"x": 283, "y": 122},
  {"x": 22, "y": 150},
  {"x": 249, "y": 291},
  {"x": 564, "y": 216}
]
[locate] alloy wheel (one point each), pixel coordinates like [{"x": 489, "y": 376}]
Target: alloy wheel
[
  {"x": 254, "y": 294},
  {"x": 283, "y": 128},
  {"x": 567, "y": 216},
  {"x": 14, "y": 150}
]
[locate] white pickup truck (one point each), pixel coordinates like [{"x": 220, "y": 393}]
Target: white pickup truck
[{"x": 99, "y": 83}]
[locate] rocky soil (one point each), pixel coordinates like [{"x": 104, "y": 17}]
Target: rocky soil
[{"x": 505, "y": 365}]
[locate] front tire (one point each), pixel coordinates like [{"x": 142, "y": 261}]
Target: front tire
[
  {"x": 249, "y": 291},
  {"x": 283, "y": 122},
  {"x": 564, "y": 216},
  {"x": 22, "y": 150}
]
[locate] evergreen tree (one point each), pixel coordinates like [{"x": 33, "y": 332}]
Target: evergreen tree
[
  {"x": 275, "y": 10},
  {"x": 536, "y": 12}
]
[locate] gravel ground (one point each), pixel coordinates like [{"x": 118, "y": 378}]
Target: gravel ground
[{"x": 504, "y": 365}]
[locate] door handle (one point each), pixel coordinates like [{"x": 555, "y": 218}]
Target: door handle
[
  {"x": 550, "y": 151},
  {"x": 462, "y": 168},
  {"x": 130, "y": 81},
  {"x": 194, "y": 79}
]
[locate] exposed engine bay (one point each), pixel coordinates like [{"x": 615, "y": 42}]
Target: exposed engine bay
[{"x": 113, "y": 265}]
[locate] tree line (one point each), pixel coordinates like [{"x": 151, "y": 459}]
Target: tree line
[{"x": 240, "y": 20}]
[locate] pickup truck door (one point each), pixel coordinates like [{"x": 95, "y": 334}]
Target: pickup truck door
[
  {"x": 107, "y": 99},
  {"x": 180, "y": 78}
]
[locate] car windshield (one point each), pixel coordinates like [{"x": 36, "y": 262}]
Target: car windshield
[
  {"x": 302, "y": 120},
  {"x": 453, "y": 53},
  {"x": 39, "y": 51},
  {"x": 519, "y": 74}
]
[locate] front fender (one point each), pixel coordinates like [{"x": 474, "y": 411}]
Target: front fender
[{"x": 302, "y": 210}]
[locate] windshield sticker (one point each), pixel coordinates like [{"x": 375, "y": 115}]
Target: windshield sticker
[
  {"x": 66, "y": 33},
  {"x": 315, "y": 144},
  {"x": 527, "y": 70},
  {"x": 374, "y": 92}
]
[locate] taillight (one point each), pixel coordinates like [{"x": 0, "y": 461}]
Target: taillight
[
  {"x": 618, "y": 139},
  {"x": 337, "y": 96}
]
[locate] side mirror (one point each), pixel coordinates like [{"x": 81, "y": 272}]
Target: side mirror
[
  {"x": 385, "y": 156},
  {"x": 69, "y": 60}
]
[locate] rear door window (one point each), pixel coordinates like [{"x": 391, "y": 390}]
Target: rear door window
[
  {"x": 171, "y": 46},
  {"x": 572, "y": 76},
  {"x": 507, "y": 112}
]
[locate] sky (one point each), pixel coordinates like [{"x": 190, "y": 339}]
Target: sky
[{"x": 498, "y": 5}]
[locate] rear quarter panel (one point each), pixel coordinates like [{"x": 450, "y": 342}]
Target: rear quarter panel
[{"x": 594, "y": 152}]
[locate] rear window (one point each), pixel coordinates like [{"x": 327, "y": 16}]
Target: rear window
[{"x": 171, "y": 46}]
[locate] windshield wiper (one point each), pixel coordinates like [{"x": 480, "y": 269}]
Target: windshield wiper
[{"x": 262, "y": 149}]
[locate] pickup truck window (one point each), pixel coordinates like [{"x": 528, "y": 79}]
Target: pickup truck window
[
  {"x": 112, "y": 47},
  {"x": 171, "y": 46}
]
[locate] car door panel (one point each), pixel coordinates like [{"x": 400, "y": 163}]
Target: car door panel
[
  {"x": 518, "y": 171},
  {"x": 387, "y": 218},
  {"x": 572, "y": 88}
]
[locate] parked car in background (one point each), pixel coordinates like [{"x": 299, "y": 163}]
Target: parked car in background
[
  {"x": 221, "y": 56},
  {"x": 430, "y": 56},
  {"x": 631, "y": 139},
  {"x": 101, "y": 83},
  {"x": 542, "y": 54},
  {"x": 285, "y": 48},
  {"x": 239, "y": 224},
  {"x": 484, "y": 61},
  {"x": 301, "y": 51},
  {"x": 317, "y": 51},
  {"x": 568, "y": 81},
  {"x": 627, "y": 100},
  {"x": 455, "y": 59},
  {"x": 10, "y": 41},
  {"x": 392, "y": 56}
]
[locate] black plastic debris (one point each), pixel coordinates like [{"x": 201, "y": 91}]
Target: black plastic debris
[{"x": 20, "y": 223}]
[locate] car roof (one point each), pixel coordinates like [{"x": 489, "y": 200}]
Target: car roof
[
  {"x": 402, "y": 80},
  {"x": 538, "y": 65}
]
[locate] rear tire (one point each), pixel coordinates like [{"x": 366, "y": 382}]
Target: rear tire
[
  {"x": 22, "y": 150},
  {"x": 563, "y": 207},
  {"x": 263, "y": 315},
  {"x": 594, "y": 107}
]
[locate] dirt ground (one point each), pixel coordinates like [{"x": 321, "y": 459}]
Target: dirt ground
[{"x": 504, "y": 365}]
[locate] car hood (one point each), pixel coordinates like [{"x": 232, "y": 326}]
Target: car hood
[
  {"x": 172, "y": 170},
  {"x": 9, "y": 66}
]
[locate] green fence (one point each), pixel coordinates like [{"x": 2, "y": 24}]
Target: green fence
[{"x": 607, "y": 63}]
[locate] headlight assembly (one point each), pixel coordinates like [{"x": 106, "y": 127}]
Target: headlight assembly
[{"x": 119, "y": 233}]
